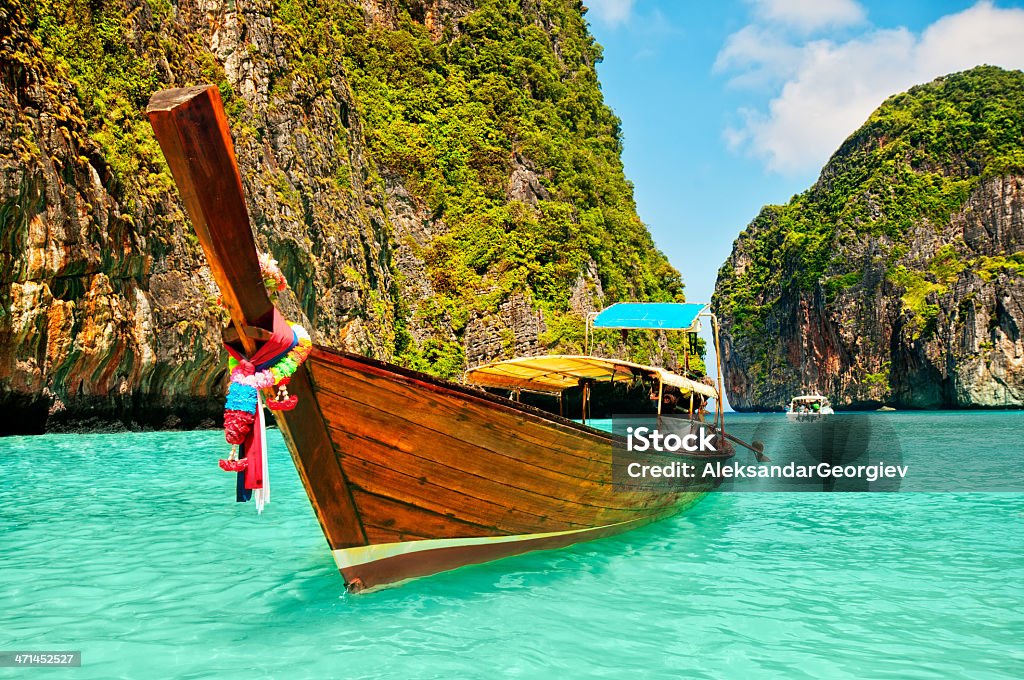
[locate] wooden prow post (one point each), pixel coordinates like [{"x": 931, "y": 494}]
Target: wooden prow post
[
  {"x": 194, "y": 136},
  {"x": 193, "y": 133}
]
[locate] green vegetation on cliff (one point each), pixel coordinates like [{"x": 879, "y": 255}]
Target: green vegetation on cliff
[
  {"x": 454, "y": 101},
  {"x": 455, "y": 117},
  {"x": 111, "y": 68},
  {"x": 916, "y": 160}
]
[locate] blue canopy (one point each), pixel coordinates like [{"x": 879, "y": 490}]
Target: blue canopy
[{"x": 657, "y": 315}]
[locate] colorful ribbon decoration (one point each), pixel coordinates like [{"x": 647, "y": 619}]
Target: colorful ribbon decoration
[{"x": 272, "y": 365}]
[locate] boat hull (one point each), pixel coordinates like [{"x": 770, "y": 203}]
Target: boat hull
[
  {"x": 438, "y": 476},
  {"x": 808, "y": 417},
  {"x": 371, "y": 567}
]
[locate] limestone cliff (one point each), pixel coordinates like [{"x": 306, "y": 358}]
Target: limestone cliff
[
  {"x": 393, "y": 153},
  {"x": 898, "y": 278}
]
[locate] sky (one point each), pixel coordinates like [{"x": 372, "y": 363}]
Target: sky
[{"x": 731, "y": 105}]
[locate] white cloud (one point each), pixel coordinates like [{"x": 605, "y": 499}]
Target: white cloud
[
  {"x": 982, "y": 34},
  {"x": 611, "y": 12},
  {"x": 762, "y": 56},
  {"x": 809, "y": 15},
  {"x": 830, "y": 88}
]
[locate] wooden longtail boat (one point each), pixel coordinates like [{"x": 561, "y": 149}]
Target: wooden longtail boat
[{"x": 408, "y": 474}]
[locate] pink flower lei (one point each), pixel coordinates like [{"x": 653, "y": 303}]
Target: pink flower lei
[{"x": 273, "y": 279}]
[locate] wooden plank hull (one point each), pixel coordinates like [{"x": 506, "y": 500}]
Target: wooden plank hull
[{"x": 443, "y": 476}]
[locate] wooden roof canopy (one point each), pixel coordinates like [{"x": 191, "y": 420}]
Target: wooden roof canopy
[{"x": 556, "y": 373}]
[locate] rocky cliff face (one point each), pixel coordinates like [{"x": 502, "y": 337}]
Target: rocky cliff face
[
  {"x": 107, "y": 310},
  {"x": 899, "y": 277}
]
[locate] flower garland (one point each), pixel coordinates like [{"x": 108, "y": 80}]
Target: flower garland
[
  {"x": 273, "y": 279},
  {"x": 246, "y": 381},
  {"x": 244, "y": 429}
]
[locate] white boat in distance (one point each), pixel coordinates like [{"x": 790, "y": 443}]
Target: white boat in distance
[{"x": 808, "y": 407}]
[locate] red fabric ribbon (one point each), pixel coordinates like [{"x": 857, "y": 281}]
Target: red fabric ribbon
[
  {"x": 281, "y": 341},
  {"x": 253, "y": 447},
  {"x": 279, "y": 344}
]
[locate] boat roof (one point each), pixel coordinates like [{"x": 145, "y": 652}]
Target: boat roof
[
  {"x": 810, "y": 397},
  {"x": 555, "y": 373},
  {"x": 667, "y": 316}
]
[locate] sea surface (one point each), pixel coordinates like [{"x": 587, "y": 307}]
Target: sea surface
[{"x": 131, "y": 549}]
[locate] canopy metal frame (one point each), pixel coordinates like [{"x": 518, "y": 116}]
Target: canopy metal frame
[{"x": 695, "y": 327}]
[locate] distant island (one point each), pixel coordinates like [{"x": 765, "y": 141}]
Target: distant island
[{"x": 898, "y": 278}]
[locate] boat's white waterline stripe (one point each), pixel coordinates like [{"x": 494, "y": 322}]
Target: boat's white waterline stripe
[{"x": 350, "y": 557}]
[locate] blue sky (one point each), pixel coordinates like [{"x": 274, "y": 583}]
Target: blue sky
[{"x": 728, "y": 106}]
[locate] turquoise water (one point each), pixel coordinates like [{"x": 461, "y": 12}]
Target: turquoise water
[{"x": 129, "y": 547}]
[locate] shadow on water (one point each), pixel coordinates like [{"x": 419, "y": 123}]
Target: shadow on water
[{"x": 855, "y": 441}]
